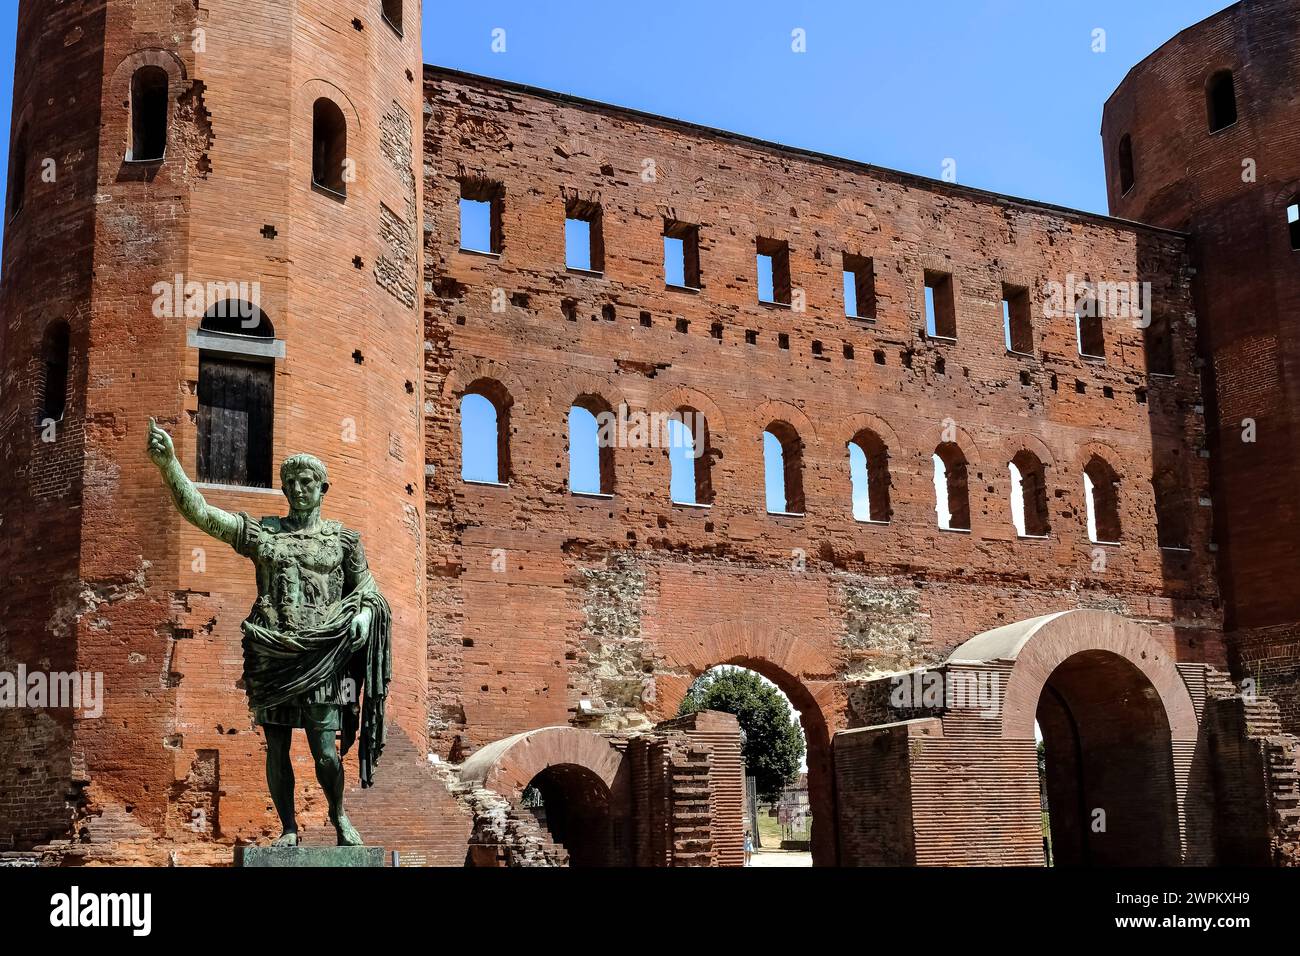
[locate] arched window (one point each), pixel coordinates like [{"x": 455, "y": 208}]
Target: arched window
[
  {"x": 1171, "y": 511},
  {"x": 1293, "y": 221},
  {"x": 484, "y": 433},
  {"x": 591, "y": 446},
  {"x": 1101, "y": 491},
  {"x": 951, "y": 495},
  {"x": 329, "y": 156},
  {"x": 237, "y": 317},
  {"x": 1028, "y": 495},
  {"x": 236, "y": 400},
  {"x": 1126, "y": 178},
  {"x": 690, "y": 458},
  {"x": 393, "y": 14},
  {"x": 1221, "y": 101},
  {"x": 149, "y": 107},
  {"x": 869, "y": 475},
  {"x": 783, "y": 469},
  {"x": 17, "y": 175},
  {"x": 1088, "y": 329},
  {"x": 54, "y": 380}
]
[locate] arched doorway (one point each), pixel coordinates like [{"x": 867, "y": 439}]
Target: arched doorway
[
  {"x": 1118, "y": 731},
  {"x": 1107, "y": 765},
  {"x": 571, "y": 803},
  {"x": 805, "y": 698}
]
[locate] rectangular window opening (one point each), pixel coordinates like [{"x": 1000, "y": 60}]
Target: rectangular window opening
[
  {"x": 859, "y": 287},
  {"x": 482, "y": 204},
  {"x": 681, "y": 254},
  {"x": 584, "y": 241},
  {"x": 940, "y": 306},
  {"x": 1017, "y": 321},
  {"x": 773, "y": 271}
]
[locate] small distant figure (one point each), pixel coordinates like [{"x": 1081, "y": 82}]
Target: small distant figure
[{"x": 749, "y": 846}]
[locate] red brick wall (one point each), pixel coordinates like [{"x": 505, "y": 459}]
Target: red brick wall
[
  {"x": 133, "y": 599},
  {"x": 540, "y": 599},
  {"x": 1230, "y": 190}
]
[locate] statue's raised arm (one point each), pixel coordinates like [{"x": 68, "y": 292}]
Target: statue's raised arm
[{"x": 222, "y": 525}]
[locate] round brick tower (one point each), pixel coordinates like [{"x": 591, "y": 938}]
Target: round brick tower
[
  {"x": 1202, "y": 136},
  {"x": 213, "y": 218}
]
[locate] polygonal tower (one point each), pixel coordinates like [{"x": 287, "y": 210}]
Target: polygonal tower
[
  {"x": 213, "y": 218},
  {"x": 1202, "y": 136}
]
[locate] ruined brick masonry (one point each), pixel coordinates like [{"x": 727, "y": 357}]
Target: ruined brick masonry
[{"x": 545, "y": 637}]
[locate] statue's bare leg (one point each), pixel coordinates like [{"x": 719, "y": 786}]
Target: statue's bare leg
[
  {"x": 279, "y": 780},
  {"x": 329, "y": 772}
]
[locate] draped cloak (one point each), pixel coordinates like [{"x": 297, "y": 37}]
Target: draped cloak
[{"x": 302, "y": 665}]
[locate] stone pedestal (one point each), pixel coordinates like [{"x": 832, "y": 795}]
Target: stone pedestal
[{"x": 316, "y": 856}]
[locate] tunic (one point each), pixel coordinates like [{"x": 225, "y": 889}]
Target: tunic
[{"x": 302, "y": 665}]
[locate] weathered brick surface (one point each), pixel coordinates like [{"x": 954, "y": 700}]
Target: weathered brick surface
[
  {"x": 103, "y": 573},
  {"x": 523, "y": 606},
  {"x": 812, "y": 600},
  {"x": 1229, "y": 189}
]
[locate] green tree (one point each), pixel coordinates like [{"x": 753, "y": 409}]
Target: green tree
[{"x": 774, "y": 745}]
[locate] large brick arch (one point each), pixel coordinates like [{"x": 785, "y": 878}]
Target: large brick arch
[
  {"x": 1039, "y": 645},
  {"x": 801, "y": 670},
  {"x": 1118, "y": 727},
  {"x": 508, "y": 765}
]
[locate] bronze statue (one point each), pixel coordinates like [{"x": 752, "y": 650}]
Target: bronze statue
[{"x": 318, "y": 638}]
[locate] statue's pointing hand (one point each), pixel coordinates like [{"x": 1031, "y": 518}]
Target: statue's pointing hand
[{"x": 161, "y": 450}]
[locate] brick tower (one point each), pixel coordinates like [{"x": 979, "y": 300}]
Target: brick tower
[
  {"x": 168, "y": 159},
  {"x": 1201, "y": 136}
]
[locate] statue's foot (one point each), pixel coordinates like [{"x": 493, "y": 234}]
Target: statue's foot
[
  {"x": 287, "y": 838},
  {"x": 348, "y": 835}
]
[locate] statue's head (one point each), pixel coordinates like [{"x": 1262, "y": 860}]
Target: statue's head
[{"x": 304, "y": 481}]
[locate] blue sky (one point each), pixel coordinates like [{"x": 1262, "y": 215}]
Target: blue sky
[{"x": 1009, "y": 90}]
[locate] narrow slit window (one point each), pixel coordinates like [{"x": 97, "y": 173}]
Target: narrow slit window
[
  {"x": 1158, "y": 343},
  {"x": 482, "y": 206},
  {"x": 330, "y": 163},
  {"x": 1126, "y": 178},
  {"x": 1101, "y": 494},
  {"x": 17, "y": 175},
  {"x": 1171, "y": 514},
  {"x": 1017, "y": 320},
  {"x": 783, "y": 469},
  {"x": 584, "y": 242},
  {"x": 484, "y": 434},
  {"x": 681, "y": 254},
  {"x": 1293, "y": 221},
  {"x": 689, "y": 458},
  {"x": 869, "y": 476},
  {"x": 859, "y": 287},
  {"x": 951, "y": 494},
  {"x": 1221, "y": 100},
  {"x": 591, "y": 447},
  {"x": 773, "y": 259},
  {"x": 940, "y": 306},
  {"x": 393, "y": 14},
  {"x": 1090, "y": 336},
  {"x": 148, "y": 115},
  {"x": 55, "y": 351}
]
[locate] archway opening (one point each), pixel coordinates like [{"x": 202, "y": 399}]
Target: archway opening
[
  {"x": 571, "y": 803},
  {"x": 1106, "y": 766},
  {"x": 795, "y": 826}
]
